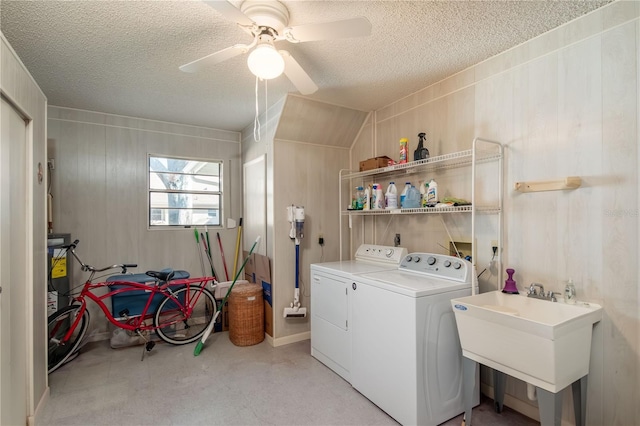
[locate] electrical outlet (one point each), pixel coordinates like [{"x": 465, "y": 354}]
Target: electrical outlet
[
  {"x": 494, "y": 247},
  {"x": 396, "y": 240},
  {"x": 51, "y": 163},
  {"x": 320, "y": 240}
]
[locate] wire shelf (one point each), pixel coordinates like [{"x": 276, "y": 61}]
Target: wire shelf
[
  {"x": 432, "y": 210},
  {"x": 456, "y": 159}
]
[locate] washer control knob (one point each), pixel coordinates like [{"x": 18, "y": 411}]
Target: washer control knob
[
  {"x": 417, "y": 259},
  {"x": 457, "y": 265},
  {"x": 389, "y": 253},
  {"x": 431, "y": 260},
  {"x": 447, "y": 263},
  {"x": 408, "y": 258}
]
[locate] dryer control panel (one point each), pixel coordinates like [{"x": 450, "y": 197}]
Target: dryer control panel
[
  {"x": 438, "y": 265},
  {"x": 385, "y": 254}
]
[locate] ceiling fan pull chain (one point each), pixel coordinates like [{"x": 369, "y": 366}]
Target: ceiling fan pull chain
[
  {"x": 266, "y": 108},
  {"x": 256, "y": 121}
]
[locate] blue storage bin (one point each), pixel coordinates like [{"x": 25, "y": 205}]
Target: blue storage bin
[{"x": 136, "y": 300}]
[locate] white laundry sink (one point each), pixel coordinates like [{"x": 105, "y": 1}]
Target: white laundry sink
[{"x": 547, "y": 344}]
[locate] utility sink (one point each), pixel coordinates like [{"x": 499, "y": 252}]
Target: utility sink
[{"x": 547, "y": 344}]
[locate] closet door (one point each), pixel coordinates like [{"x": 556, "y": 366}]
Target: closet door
[{"x": 13, "y": 262}]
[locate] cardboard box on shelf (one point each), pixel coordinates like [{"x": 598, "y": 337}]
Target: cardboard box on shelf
[{"x": 376, "y": 163}]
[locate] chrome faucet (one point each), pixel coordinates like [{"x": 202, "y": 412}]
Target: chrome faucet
[{"x": 541, "y": 293}]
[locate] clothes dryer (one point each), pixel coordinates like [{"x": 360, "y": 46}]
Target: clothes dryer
[{"x": 330, "y": 306}]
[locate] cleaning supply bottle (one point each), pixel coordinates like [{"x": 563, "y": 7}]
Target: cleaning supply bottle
[
  {"x": 359, "y": 198},
  {"x": 367, "y": 198},
  {"x": 421, "y": 152},
  {"x": 423, "y": 194},
  {"x": 380, "y": 203},
  {"x": 432, "y": 194},
  {"x": 391, "y": 197},
  {"x": 374, "y": 194},
  {"x": 404, "y": 147},
  {"x": 403, "y": 195},
  {"x": 570, "y": 293}
]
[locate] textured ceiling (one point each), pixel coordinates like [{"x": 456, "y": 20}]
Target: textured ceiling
[{"x": 122, "y": 57}]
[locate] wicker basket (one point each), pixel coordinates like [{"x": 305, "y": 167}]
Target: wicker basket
[{"x": 246, "y": 315}]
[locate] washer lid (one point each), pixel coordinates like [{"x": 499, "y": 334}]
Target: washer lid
[
  {"x": 412, "y": 285},
  {"x": 352, "y": 267}
]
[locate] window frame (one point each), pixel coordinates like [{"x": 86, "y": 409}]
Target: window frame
[{"x": 220, "y": 193}]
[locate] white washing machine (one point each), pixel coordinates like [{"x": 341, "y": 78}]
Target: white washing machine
[
  {"x": 330, "y": 306},
  {"x": 406, "y": 354}
]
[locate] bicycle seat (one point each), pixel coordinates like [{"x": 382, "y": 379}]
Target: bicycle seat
[{"x": 161, "y": 275}]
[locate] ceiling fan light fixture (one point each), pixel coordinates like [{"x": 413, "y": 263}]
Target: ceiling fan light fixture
[{"x": 265, "y": 62}]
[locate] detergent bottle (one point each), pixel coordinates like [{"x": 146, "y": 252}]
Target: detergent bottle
[
  {"x": 366, "y": 205},
  {"x": 432, "y": 194},
  {"x": 423, "y": 194},
  {"x": 391, "y": 196},
  {"x": 380, "y": 203},
  {"x": 403, "y": 195}
]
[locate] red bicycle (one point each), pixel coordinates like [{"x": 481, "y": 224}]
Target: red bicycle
[{"x": 182, "y": 316}]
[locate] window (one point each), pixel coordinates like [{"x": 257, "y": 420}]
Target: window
[{"x": 184, "y": 192}]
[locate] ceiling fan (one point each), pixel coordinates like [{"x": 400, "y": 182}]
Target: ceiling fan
[{"x": 267, "y": 21}]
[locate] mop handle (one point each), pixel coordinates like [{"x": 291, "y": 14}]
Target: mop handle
[{"x": 246, "y": 259}]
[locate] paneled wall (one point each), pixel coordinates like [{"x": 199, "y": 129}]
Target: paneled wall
[
  {"x": 563, "y": 104},
  {"x": 99, "y": 188},
  {"x": 306, "y": 143}
]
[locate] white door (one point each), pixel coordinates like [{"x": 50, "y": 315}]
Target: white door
[
  {"x": 255, "y": 205},
  {"x": 13, "y": 264}
]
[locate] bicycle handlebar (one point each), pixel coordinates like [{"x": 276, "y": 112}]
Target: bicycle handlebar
[{"x": 88, "y": 268}]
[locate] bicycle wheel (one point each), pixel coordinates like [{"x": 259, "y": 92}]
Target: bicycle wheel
[
  {"x": 171, "y": 322},
  {"x": 58, "y": 326}
]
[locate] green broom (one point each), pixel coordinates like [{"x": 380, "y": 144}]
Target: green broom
[{"x": 209, "y": 329}]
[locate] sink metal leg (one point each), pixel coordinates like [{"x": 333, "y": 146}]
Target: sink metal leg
[
  {"x": 579, "y": 388},
  {"x": 499, "y": 385},
  {"x": 469, "y": 368},
  {"x": 550, "y": 405}
]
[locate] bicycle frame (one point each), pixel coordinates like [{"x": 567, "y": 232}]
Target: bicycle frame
[{"x": 136, "y": 322}]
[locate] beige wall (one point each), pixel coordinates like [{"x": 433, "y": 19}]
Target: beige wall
[
  {"x": 100, "y": 196},
  {"x": 563, "y": 104},
  {"x": 23, "y": 93},
  {"x": 305, "y": 175},
  {"x": 306, "y": 145}
]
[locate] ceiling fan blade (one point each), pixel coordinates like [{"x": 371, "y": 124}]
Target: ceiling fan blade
[
  {"x": 230, "y": 12},
  {"x": 297, "y": 75},
  {"x": 215, "y": 58},
  {"x": 354, "y": 27}
]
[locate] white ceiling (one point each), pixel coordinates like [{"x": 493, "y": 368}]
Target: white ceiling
[{"x": 122, "y": 57}]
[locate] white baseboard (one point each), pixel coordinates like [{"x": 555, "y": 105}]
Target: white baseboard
[
  {"x": 33, "y": 420},
  {"x": 291, "y": 339},
  {"x": 268, "y": 338}
]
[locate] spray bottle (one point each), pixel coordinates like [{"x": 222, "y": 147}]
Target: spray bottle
[{"x": 421, "y": 152}]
